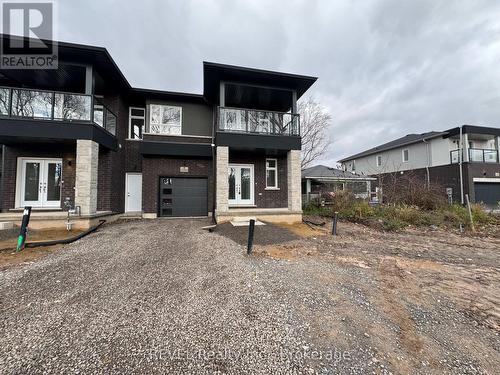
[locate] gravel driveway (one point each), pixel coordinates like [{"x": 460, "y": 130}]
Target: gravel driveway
[{"x": 165, "y": 296}]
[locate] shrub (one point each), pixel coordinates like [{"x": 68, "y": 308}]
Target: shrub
[{"x": 411, "y": 189}]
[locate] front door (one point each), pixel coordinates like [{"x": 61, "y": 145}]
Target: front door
[
  {"x": 41, "y": 182},
  {"x": 241, "y": 185},
  {"x": 133, "y": 187}
]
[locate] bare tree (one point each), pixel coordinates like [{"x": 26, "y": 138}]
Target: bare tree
[{"x": 314, "y": 119}]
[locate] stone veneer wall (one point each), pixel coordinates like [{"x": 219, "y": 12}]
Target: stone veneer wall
[
  {"x": 221, "y": 179},
  {"x": 87, "y": 159},
  {"x": 294, "y": 178}
]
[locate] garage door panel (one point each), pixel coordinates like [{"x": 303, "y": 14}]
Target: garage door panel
[
  {"x": 188, "y": 197},
  {"x": 487, "y": 193}
]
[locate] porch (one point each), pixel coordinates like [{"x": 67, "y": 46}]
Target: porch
[{"x": 258, "y": 184}]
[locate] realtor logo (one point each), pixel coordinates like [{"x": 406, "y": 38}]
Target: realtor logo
[{"x": 25, "y": 26}]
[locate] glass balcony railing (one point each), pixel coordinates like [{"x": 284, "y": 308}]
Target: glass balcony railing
[
  {"x": 476, "y": 155},
  {"x": 258, "y": 122},
  {"x": 479, "y": 155},
  {"x": 55, "y": 106}
]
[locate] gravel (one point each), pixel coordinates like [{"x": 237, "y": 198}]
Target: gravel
[{"x": 165, "y": 296}]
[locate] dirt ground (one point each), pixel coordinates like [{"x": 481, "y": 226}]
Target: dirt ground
[
  {"x": 416, "y": 280},
  {"x": 8, "y": 242},
  {"x": 166, "y": 296}
]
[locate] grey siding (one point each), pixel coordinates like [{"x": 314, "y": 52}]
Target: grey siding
[{"x": 197, "y": 119}]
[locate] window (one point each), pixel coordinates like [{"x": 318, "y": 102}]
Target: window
[
  {"x": 271, "y": 174},
  {"x": 165, "y": 119},
  {"x": 136, "y": 121},
  {"x": 379, "y": 160},
  {"x": 353, "y": 166},
  {"x": 406, "y": 155}
]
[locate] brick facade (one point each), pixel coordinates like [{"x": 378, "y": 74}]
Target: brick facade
[
  {"x": 155, "y": 167},
  {"x": 66, "y": 152},
  {"x": 265, "y": 198}
]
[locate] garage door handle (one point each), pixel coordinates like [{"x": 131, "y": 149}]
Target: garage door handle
[{"x": 128, "y": 194}]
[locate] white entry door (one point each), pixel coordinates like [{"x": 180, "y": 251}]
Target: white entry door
[
  {"x": 133, "y": 191},
  {"x": 40, "y": 184},
  {"x": 241, "y": 185}
]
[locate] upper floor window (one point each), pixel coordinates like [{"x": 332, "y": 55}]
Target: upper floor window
[
  {"x": 379, "y": 160},
  {"x": 271, "y": 173},
  {"x": 165, "y": 119},
  {"x": 406, "y": 155},
  {"x": 353, "y": 166},
  {"x": 137, "y": 120}
]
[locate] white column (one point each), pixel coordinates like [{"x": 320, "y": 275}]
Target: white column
[
  {"x": 294, "y": 187},
  {"x": 87, "y": 159},
  {"x": 222, "y": 179}
]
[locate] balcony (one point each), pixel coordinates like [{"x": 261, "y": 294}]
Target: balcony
[
  {"x": 28, "y": 115},
  {"x": 476, "y": 155},
  {"x": 64, "y": 107},
  {"x": 271, "y": 131},
  {"x": 252, "y": 121}
]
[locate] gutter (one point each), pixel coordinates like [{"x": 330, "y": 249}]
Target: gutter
[{"x": 428, "y": 162}]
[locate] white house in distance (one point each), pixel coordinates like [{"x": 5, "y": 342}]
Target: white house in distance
[
  {"x": 464, "y": 160},
  {"x": 322, "y": 180}
]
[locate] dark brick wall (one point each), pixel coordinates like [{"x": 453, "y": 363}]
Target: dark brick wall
[
  {"x": 133, "y": 159},
  {"x": 265, "y": 198},
  {"x": 473, "y": 170},
  {"x": 154, "y": 168},
  {"x": 111, "y": 169},
  {"x": 448, "y": 176},
  {"x": 66, "y": 152}
]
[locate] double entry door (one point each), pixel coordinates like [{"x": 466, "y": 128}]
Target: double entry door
[
  {"x": 241, "y": 184},
  {"x": 41, "y": 181}
]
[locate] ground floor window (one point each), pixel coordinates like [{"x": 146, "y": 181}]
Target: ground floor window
[{"x": 271, "y": 173}]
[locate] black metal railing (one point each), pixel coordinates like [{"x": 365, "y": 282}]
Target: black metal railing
[
  {"x": 241, "y": 120},
  {"x": 55, "y": 106},
  {"x": 476, "y": 155}
]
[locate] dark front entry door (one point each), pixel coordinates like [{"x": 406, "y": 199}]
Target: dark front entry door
[
  {"x": 487, "y": 193},
  {"x": 183, "y": 196}
]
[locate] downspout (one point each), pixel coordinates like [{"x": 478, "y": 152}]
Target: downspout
[
  {"x": 460, "y": 161},
  {"x": 428, "y": 162}
]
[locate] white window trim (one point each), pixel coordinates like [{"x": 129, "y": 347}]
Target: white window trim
[
  {"x": 275, "y": 169},
  {"x": 403, "y": 155},
  {"x": 130, "y": 117},
  {"x": 151, "y": 114},
  {"x": 376, "y": 160}
]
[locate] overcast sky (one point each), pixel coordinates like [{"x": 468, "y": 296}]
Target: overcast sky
[{"x": 386, "y": 68}]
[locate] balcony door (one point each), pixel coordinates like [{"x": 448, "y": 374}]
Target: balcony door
[
  {"x": 241, "y": 185},
  {"x": 40, "y": 183}
]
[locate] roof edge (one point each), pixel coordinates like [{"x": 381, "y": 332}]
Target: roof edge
[{"x": 359, "y": 154}]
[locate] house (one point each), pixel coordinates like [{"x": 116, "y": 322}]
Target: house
[
  {"x": 81, "y": 137},
  {"x": 464, "y": 160},
  {"x": 320, "y": 180}
]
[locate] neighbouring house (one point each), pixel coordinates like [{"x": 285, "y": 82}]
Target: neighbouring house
[
  {"x": 321, "y": 181},
  {"x": 81, "y": 136},
  {"x": 463, "y": 160}
]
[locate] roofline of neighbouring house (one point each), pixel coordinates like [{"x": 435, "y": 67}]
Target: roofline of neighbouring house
[
  {"x": 379, "y": 149},
  {"x": 445, "y": 134}
]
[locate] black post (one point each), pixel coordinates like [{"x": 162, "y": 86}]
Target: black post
[
  {"x": 334, "y": 225},
  {"x": 21, "y": 240},
  {"x": 250, "y": 236}
]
